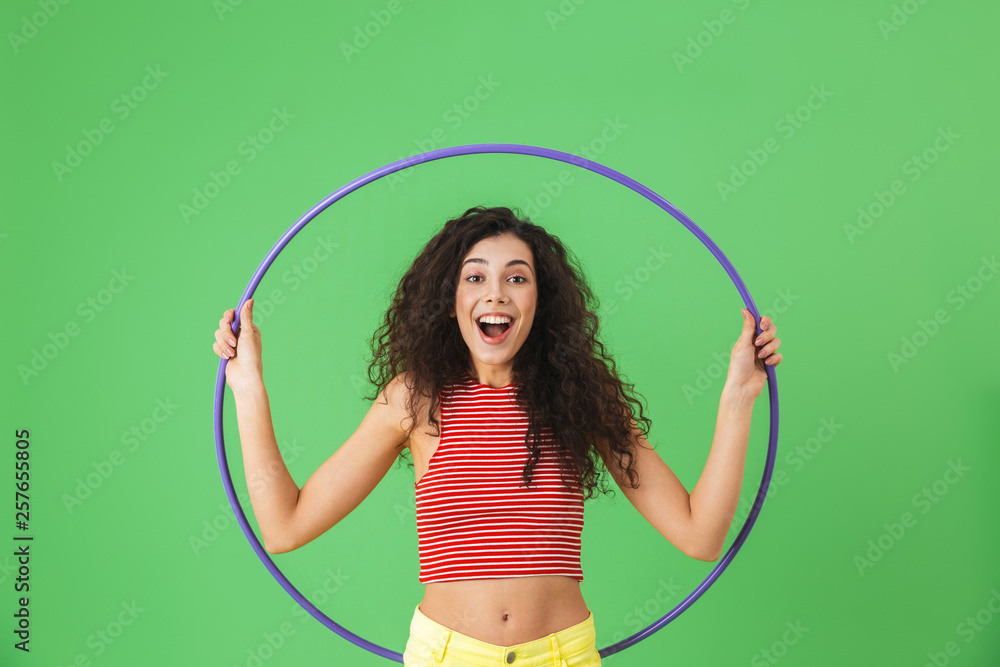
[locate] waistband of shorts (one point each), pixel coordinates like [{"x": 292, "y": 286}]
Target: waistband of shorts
[{"x": 568, "y": 641}]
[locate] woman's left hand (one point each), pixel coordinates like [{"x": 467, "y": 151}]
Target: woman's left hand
[{"x": 750, "y": 355}]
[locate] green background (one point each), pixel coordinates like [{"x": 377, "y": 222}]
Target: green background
[{"x": 677, "y": 97}]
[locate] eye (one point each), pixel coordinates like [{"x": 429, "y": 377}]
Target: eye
[{"x": 521, "y": 279}]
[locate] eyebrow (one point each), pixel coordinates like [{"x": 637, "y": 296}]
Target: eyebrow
[{"x": 510, "y": 263}]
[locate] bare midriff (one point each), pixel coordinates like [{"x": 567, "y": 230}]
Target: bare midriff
[{"x": 506, "y": 612}]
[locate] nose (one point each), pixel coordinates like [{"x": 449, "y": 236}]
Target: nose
[{"x": 495, "y": 293}]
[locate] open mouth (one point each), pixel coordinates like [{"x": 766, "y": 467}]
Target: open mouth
[{"x": 493, "y": 330}]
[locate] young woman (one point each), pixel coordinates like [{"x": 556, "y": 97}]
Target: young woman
[{"x": 490, "y": 373}]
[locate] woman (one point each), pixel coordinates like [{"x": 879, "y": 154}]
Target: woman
[{"x": 489, "y": 372}]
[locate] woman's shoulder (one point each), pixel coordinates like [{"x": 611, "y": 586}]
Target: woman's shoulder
[
  {"x": 404, "y": 384},
  {"x": 398, "y": 389},
  {"x": 401, "y": 391},
  {"x": 407, "y": 404}
]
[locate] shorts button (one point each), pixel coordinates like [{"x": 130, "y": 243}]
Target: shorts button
[{"x": 510, "y": 657}]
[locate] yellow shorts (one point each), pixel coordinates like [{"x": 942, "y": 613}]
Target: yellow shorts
[{"x": 433, "y": 645}]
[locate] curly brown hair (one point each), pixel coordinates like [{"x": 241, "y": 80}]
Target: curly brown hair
[{"x": 568, "y": 383}]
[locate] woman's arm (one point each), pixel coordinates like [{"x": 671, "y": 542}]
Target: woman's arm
[
  {"x": 660, "y": 497},
  {"x": 697, "y": 523},
  {"x": 717, "y": 493},
  {"x": 273, "y": 492},
  {"x": 352, "y": 472},
  {"x": 290, "y": 517}
]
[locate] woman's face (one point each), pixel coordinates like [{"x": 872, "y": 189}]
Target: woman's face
[{"x": 497, "y": 277}]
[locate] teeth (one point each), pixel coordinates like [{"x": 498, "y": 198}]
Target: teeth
[{"x": 492, "y": 319}]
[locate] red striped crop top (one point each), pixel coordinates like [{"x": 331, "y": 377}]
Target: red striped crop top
[{"x": 474, "y": 519}]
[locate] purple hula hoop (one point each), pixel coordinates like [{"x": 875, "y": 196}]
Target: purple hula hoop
[{"x": 518, "y": 149}]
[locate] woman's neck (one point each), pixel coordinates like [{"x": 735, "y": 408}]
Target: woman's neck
[{"x": 495, "y": 378}]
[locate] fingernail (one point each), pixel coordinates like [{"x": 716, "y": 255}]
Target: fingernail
[{"x": 232, "y": 342}]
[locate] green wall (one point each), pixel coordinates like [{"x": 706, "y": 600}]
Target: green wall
[{"x": 840, "y": 155}]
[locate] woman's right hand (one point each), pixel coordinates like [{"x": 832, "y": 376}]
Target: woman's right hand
[{"x": 243, "y": 351}]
